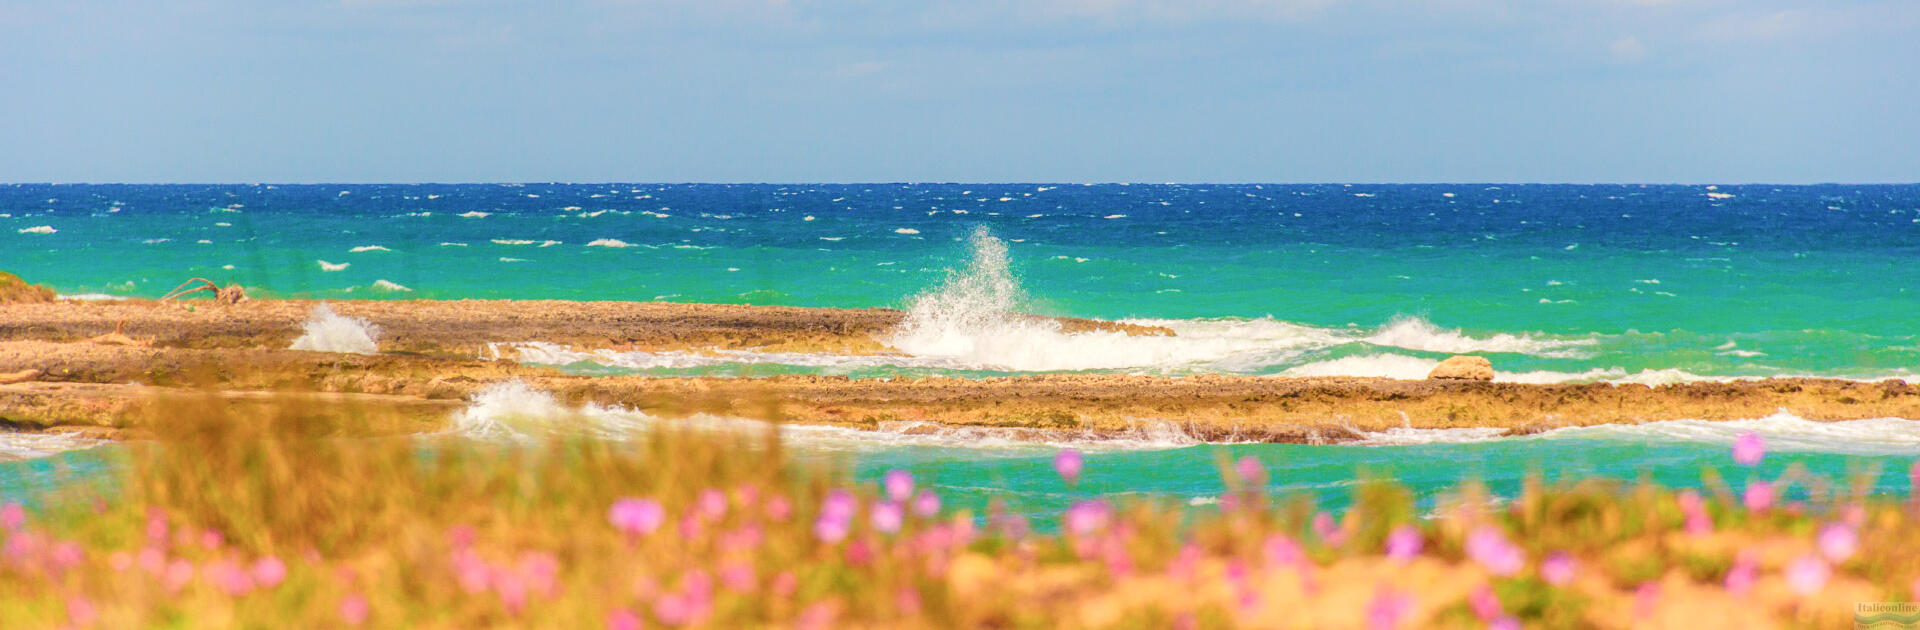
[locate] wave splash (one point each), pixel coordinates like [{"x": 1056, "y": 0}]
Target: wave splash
[
  {"x": 975, "y": 319},
  {"x": 327, "y": 331},
  {"x": 515, "y": 411}
]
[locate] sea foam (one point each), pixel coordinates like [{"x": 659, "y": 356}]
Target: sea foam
[
  {"x": 975, "y": 318},
  {"x": 327, "y": 331},
  {"x": 515, "y": 411}
]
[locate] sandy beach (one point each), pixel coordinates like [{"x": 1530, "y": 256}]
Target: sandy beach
[{"x": 432, "y": 360}]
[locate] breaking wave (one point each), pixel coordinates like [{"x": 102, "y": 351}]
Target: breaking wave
[
  {"x": 976, "y": 318},
  {"x": 516, "y": 411},
  {"x": 1783, "y": 432},
  {"x": 18, "y": 446},
  {"x": 327, "y": 331}
]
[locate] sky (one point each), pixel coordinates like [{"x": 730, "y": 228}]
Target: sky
[{"x": 1647, "y": 91}]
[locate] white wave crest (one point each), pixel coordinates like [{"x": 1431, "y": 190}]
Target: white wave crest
[
  {"x": 1405, "y": 436},
  {"x": 974, "y": 319},
  {"x": 18, "y": 446},
  {"x": 327, "y": 331},
  {"x": 513, "y": 410},
  {"x": 1414, "y": 333},
  {"x": 1783, "y": 431},
  {"x": 388, "y": 285},
  {"x": 1398, "y": 366},
  {"x": 38, "y": 229},
  {"x": 609, "y": 242},
  {"x": 368, "y": 248},
  {"x": 327, "y": 266}
]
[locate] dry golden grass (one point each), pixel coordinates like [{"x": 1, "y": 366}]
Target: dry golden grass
[{"x": 287, "y": 515}]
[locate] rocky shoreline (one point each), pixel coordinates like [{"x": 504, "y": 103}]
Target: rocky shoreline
[{"x": 80, "y": 381}]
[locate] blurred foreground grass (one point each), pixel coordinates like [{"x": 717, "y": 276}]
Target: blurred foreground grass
[{"x": 276, "y": 516}]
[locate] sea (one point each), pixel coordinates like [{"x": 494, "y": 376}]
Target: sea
[{"x": 1646, "y": 284}]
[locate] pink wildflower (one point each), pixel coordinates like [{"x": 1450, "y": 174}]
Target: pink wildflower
[
  {"x": 1759, "y": 496},
  {"x": 1808, "y": 574},
  {"x": 907, "y": 600},
  {"x": 887, "y": 516},
  {"x": 777, "y": 508},
  {"x": 354, "y": 609},
  {"x": 65, "y": 555},
  {"x": 1251, "y": 471},
  {"x": 229, "y": 577},
  {"x": 926, "y": 504},
  {"x": 471, "y": 572},
  {"x": 737, "y": 577},
  {"x": 1085, "y": 517},
  {"x": 1282, "y": 551},
  {"x": 1491, "y": 549},
  {"x": 461, "y": 536},
  {"x": 712, "y": 504},
  {"x": 673, "y": 609},
  {"x": 636, "y": 516},
  {"x": 1558, "y": 569},
  {"x": 1404, "y": 543},
  {"x": 269, "y": 571},
  {"x": 1485, "y": 604},
  {"x": 152, "y": 560},
  {"x": 1068, "y": 463},
  {"x": 1329, "y": 532},
  {"x": 818, "y": 616},
  {"x": 1838, "y": 542},
  {"x": 1698, "y": 522},
  {"x": 81, "y": 612},
  {"x": 1743, "y": 574},
  {"x": 156, "y": 527},
  {"x": 623, "y": 619},
  {"x": 178, "y": 573},
  {"x": 839, "y": 505},
  {"x": 784, "y": 584},
  {"x": 899, "y": 484},
  {"x": 1646, "y": 599},
  {"x": 1388, "y": 608},
  {"x": 512, "y": 590},
  {"x": 1749, "y": 448},
  {"x": 743, "y": 538},
  {"x": 13, "y": 516},
  {"x": 542, "y": 572},
  {"x": 830, "y": 530}
]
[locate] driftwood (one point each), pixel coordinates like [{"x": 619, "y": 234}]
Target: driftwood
[
  {"x": 21, "y": 376},
  {"x": 233, "y": 294}
]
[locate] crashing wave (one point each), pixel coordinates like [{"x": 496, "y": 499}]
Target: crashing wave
[{"x": 327, "y": 331}]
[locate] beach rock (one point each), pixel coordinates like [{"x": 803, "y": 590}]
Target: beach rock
[
  {"x": 1463, "y": 367},
  {"x": 15, "y": 290}
]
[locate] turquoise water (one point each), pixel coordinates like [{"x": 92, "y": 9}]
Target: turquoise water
[{"x": 1648, "y": 284}]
